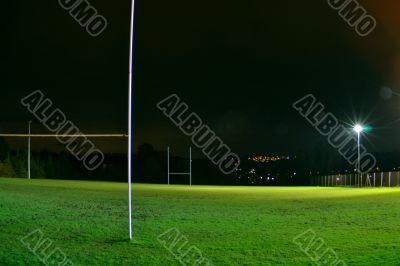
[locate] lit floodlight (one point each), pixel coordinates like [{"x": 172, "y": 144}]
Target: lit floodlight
[{"x": 358, "y": 128}]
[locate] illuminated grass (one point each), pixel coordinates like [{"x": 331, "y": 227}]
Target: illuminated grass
[{"x": 230, "y": 225}]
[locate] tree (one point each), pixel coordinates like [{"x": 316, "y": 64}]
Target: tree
[
  {"x": 149, "y": 168},
  {"x": 4, "y": 149},
  {"x": 6, "y": 168}
]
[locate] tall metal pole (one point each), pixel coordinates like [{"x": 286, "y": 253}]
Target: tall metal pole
[
  {"x": 358, "y": 151},
  {"x": 29, "y": 151},
  {"x": 130, "y": 118},
  {"x": 190, "y": 170}
]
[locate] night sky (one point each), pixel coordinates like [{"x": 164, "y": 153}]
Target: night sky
[{"x": 239, "y": 64}]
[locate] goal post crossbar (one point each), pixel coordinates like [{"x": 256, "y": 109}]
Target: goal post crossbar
[{"x": 63, "y": 136}]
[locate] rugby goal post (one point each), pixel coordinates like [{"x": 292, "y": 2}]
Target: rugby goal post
[{"x": 176, "y": 173}]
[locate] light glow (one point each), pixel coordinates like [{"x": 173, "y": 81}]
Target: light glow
[{"x": 358, "y": 128}]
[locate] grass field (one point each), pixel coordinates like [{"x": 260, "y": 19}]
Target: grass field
[{"x": 230, "y": 225}]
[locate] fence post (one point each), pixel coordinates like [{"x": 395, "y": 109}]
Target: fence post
[
  {"x": 374, "y": 179},
  {"x": 355, "y": 180}
]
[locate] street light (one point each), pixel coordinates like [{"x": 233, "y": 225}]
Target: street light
[{"x": 358, "y": 129}]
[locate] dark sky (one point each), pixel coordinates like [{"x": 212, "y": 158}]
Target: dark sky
[{"x": 239, "y": 64}]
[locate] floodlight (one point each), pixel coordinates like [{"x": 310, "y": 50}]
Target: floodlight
[{"x": 358, "y": 128}]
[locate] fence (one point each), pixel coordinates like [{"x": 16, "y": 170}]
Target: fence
[{"x": 381, "y": 179}]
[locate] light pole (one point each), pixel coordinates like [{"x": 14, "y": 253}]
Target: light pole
[
  {"x": 130, "y": 118},
  {"x": 358, "y": 129},
  {"x": 29, "y": 151}
]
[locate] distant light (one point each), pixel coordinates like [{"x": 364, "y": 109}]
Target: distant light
[{"x": 358, "y": 128}]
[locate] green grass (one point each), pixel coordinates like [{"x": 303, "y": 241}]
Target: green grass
[{"x": 230, "y": 225}]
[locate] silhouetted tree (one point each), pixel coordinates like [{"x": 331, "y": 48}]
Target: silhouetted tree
[
  {"x": 4, "y": 149},
  {"x": 6, "y": 168},
  {"x": 149, "y": 167}
]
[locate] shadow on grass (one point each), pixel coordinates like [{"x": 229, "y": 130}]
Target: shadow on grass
[{"x": 117, "y": 241}]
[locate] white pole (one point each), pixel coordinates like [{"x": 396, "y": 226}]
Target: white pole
[
  {"x": 168, "y": 163},
  {"x": 29, "y": 151},
  {"x": 130, "y": 119},
  {"x": 190, "y": 158},
  {"x": 358, "y": 151}
]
